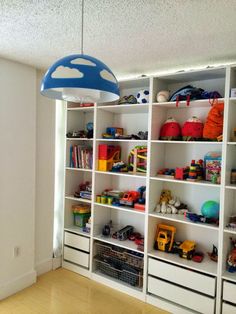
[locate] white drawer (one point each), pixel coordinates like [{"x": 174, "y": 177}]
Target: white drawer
[
  {"x": 228, "y": 309},
  {"x": 192, "y": 300},
  {"x": 76, "y": 257},
  {"x": 182, "y": 276},
  {"x": 77, "y": 241},
  {"x": 229, "y": 292}
]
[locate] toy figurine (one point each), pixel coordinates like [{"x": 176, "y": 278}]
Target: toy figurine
[
  {"x": 231, "y": 261},
  {"x": 214, "y": 254}
]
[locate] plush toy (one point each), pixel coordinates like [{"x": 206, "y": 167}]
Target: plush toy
[
  {"x": 213, "y": 127},
  {"x": 170, "y": 205},
  {"x": 192, "y": 129},
  {"x": 163, "y": 96},
  {"x": 170, "y": 130}
]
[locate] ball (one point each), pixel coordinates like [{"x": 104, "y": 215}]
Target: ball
[
  {"x": 143, "y": 96},
  {"x": 163, "y": 96},
  {"x": 210, "y": 209}
]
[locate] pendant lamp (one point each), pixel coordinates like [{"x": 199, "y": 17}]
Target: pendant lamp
[{"x": 80, "y": 78}]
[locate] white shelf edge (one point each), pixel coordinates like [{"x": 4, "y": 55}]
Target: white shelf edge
[
  {"x": 130, "y": 244},
  {"x": 121, "y": 140},
  {"x": 231, "y": 187},
  {"x": 79, "y": 169},
  {"x": 232, "y": 231},
  {"x": 229, "y": 276},
  {"x": 77, "y": 230},
  {"x": 145, "y": 105},
  {"x": 187, "y": 263},
  {"x": 91, "y": 108},
  {"x": 183, "y": 104},
  {"x": 201, "y": 183},
  {"x": 173, "y": 217},
  {"x": 125, "y": 174},
  {"x": 121, "y": 208},
  {"x": 78, "y": 199},
  {"x": 79, "y": 139},
  {"x": 187, "y": 142},
  {"x": 231, "y": 143}
]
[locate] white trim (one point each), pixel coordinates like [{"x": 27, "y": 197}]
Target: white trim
[
  {"x": 44, "y": 266},
  {"x": 18, "y": 284}
]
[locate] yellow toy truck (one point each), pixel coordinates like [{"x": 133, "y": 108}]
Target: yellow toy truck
[
  {"x": 164, "y": 238},
  {"x": 187, "y": 249}
]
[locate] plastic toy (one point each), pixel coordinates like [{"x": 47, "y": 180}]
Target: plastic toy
[
  {"x": 186, "y": 249},
  {"x": 128, "y": 100},
  {"x": 192, "y": 129},
  {"x": 123, "y": 233},
  {"x": 137, "y": 160},
  {"x": 107, "y": 156},
  {"x": 181, "y": 173},
  {"x": 81, "y": 214},
  {"x": 214, "y": 254},
  {"x": 106, "y": 231},
  {"x": 198, "y": 257},
  {"x": 129, "y": 198},
  {"x": 231, "y": 261},
  {"x": 112, "y": 132},
  {"x": 164, "y": 237},
  {"x": 141, "y": 201},
  {"x": 84, "y": 191},
  {"x": 212, "y": 163},
  {"x": 170, "y": 130},
  {"x": 163, "y": 96},
  {"x": 167, "y": 172},
  {"x": 119, "y": 166},
  {"x": 143, "y": 96},
  {"x": 210, "y": 209},
  {"x": 213, "y": 127}
]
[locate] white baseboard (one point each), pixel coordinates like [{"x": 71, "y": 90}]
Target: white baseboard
[
  {"x": 18, "y": 284},
  {"x": 56, "y": 262},
  {"x": 44, "y": 266}
]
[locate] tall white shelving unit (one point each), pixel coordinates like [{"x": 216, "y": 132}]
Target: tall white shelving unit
[{"x": 169, "y": 282}]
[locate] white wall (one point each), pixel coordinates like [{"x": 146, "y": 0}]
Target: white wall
[
  {"x": 17, "y": 175},
  {"x": 45, "y": 160}
]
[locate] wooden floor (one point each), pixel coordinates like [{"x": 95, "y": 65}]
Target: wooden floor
[{"x": 64, "y": 292}]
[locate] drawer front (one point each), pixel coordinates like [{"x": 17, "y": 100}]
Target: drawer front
[
  {"x": 229, "y": 292},
  {"x": 76, "y": 257},
  {"x": 182, "y": 276},
  {"x": 192, "y": 300},
  {"x": 77, "y": 241},
  {"x": 228, "y": 309}
]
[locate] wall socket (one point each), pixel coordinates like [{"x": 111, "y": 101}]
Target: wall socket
[{"x": 16, "y": 251}]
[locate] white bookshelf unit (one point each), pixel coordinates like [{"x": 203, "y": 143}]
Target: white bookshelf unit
[{"x": 167, "y": 281}]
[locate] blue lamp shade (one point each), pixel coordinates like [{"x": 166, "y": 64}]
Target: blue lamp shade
[{"x": 80, "y": 78}]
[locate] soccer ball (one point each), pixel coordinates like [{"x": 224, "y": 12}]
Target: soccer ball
[{"x": 143, "y": 96}]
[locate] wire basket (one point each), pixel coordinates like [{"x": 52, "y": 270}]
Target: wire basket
[{"x": 120, "y": 263}]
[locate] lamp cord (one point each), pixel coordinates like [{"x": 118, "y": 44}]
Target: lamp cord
[{"x": 82, "y": 27}]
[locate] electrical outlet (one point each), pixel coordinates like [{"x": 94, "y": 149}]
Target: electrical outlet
[{"x": 16, "y": 251}]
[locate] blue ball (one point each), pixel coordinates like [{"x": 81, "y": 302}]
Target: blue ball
[{"x": 210, "y": 209}]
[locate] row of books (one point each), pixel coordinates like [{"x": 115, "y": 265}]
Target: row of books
[{"x": 81, "y": 157}]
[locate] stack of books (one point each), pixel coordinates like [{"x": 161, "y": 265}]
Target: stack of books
[{"x": 81, "y": 157}]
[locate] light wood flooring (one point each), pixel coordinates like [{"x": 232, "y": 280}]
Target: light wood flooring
[{"x": 64, "y": 292}]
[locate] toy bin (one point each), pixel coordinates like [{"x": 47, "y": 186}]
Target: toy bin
[
  {"x": 212, "y": 163},
  {"x": 80, "y": 219}
]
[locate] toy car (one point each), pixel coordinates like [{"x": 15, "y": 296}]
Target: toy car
[
  {"x": 198, "y": 257},
  {"x": 129, "y": 198},
  {"x": 187, "y": 249},
  {"x": 164, "y": 237}
]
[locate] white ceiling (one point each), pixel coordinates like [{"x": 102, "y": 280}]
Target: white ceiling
[{"x": 133, "y": 37}]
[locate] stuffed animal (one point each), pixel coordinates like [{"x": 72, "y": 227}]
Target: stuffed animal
[
  {"x": 170, "y": 130},
  {"x": 213, "y": 127},
  {"x": 163, "y": 96},
  {"x": 192, "y": 129}
]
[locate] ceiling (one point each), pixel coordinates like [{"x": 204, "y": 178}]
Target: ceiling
[{"x": 132, "y": 37}]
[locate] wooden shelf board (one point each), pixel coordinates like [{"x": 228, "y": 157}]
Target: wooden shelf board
[
  {"x": 121, "y": 140},
  {"x": 78, "y": 139},
  {"x": 126, "y": 108},
  {"x": 77, "y": 230},
  {"x": 201, "y": 183},
  {"x": 78, "y": 169},
  {"x": 200, "y": 103},
  {"x": 187, "y": 142},
  {"x": 228, "y": 230},
  {"x": 127, "y": 244},
  {"x": 183, "y": 219},
  {"x": 77, "y": 199},
  {"x": 123, "y": 174},
  {"x": 122, "y": 208},
  {"x": 206, "y": 266},
  {"x": 229, "y": 276}
]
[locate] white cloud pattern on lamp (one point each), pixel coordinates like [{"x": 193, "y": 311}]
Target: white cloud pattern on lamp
[
  {"x": 66, "y": 72},
  {"x": 82, "y": 61},
  {"x": 107, "y": 76}
]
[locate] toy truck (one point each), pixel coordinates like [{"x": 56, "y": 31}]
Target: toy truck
[
  {"x": 164, "y": 237},
  {"x": 187, "y": 249},
  {"x": 129, "y": 198}
]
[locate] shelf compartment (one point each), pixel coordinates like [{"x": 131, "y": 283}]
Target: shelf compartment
[
  {"x": 229, "y": 276},
  {"x": 78, "y": 199},
  {"x": 202, "y": 183},
  {"x": 122, "y": 208},
  {"x": 182, "y": 219},
  {"x": 206, "y": 266},
  {"x": 77, "y": 230},
  {"x": 127, "y": 244}
]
